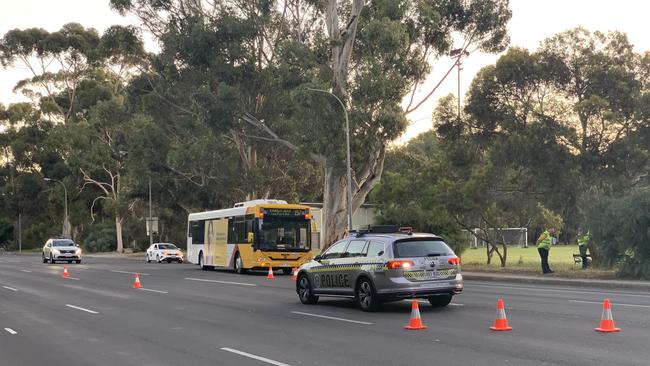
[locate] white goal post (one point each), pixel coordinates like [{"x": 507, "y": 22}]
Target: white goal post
[{"x": 513, "y": 236}]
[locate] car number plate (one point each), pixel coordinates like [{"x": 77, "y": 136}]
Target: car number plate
[{"x": 435, "y": 284}]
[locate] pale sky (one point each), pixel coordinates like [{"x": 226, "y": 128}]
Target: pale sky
[{"x": 532, "y": 21}]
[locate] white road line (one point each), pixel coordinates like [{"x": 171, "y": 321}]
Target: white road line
[
  {"x": 331, "y": 318},
  {"x": 216, "y": 281},
  {"x": 139, "y": 274},
  {"x": 82, "y": 309},
  {"x": 10, "y": 288},
  {"x": 72, "y": 278},
  {"x": 150, "y": 290},
  {"x": 25, "y": 270},
  {"x": 616, "y": 304},
  {"x": 454, "y": 304},
  {"x": 259, "y": 358},
  {"x": 11, "y": 331},
  {"x": 538, "y": 289}
]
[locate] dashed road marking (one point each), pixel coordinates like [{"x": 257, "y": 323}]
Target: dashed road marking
[
  {"x": 25, "y": 270},
  {"x": 72, "y": 278},
  {"x": 614, "y": 304},
  {"x": 11, "y": 331},
  {"x": 255, "y": 357},
  {"x": 127, "y": 272},
  {"x": 217, "y": 281},
  {"x": 331, "y": 318},
  {"x": 150, "y": 290},
  {"x": 10, "y": 288},
  {"x": 82, "y": 309}
]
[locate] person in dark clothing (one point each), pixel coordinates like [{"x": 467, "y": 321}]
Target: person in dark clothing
[{"x": 544, "y": 246}]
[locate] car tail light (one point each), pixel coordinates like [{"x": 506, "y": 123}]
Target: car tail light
[
  {"x": 454, "y": 261},
  {"x": 399, "y": 264}
]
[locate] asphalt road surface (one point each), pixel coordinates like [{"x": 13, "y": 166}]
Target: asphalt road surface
[{"x": 185, "y": 316}]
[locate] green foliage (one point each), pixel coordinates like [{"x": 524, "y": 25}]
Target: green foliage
[
  {"x": 100, "y": 238},
  {"x": 6, "y": 232},
  {"x": 620, "y": 231}
]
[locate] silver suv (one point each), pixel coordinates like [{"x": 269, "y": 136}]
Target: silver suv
[
  {"x": 374, "y": 267},
  {"x": 61, "y": 250}
]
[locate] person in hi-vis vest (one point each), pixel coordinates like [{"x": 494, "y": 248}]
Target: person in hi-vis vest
[
  {"x": 544, "y": 246},
  {"x": 583, "y": 242}
]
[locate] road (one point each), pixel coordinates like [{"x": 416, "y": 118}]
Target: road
[{"x": 185, "y": 316}]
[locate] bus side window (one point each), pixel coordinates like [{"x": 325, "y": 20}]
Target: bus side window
[
  {"x": 238, "y": 229},
  {"x": 197, "y": 231},
  {"x": 232, "y": 236}
]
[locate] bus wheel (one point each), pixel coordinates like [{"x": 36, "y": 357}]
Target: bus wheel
[
  {"x": 205, "y": 268},
  {"x": 239, "y": 264}
]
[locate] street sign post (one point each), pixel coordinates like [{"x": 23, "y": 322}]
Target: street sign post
[{"x": 152, "y": 225}]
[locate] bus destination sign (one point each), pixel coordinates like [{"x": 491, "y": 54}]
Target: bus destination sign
[{"x": 283, "y": 212}]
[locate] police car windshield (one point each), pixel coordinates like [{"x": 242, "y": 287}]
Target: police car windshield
[
  {"x": 283, "y": 234},
  {"x": 167, "y": 246},
  {"x": 421, "y": 248}
]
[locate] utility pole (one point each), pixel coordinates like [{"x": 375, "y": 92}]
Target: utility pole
[
  {"x": 150, "y": 218},
  {"x": 20, "y": 234},
  {"x": 459, "y": 53},
  {"x": 459, "y": 68}
]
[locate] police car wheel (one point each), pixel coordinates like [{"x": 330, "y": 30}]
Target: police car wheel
[
  {"x": 305, "y": 291},
  {"x": 440, "y": 300},
  {"x": 366, "y": 296}
]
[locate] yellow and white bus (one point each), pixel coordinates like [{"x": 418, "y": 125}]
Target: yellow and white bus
[{"x": 251, "y": 235}]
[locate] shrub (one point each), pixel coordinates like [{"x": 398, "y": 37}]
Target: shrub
[
  {"x": 100, "y": 237},
  {"x": 620, "y": 233}
]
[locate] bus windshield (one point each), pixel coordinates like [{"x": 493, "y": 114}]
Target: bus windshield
[{"x": 283, "y": 234}]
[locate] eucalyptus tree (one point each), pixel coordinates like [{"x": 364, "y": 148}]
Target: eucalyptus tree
[
  {"x": 244, "y": 68},
  {"x": 76, "y": 75}
]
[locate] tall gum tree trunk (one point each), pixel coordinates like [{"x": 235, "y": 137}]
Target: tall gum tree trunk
[
  {"x": 118, "y": 233},
  {"x": 335, "y": 203}
]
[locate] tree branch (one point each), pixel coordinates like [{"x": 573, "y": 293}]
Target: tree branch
[{"x": 275, "y": 138}]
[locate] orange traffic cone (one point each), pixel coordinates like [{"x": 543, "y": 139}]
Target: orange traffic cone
[
  {"x": 270, "y": 275},
  {"x": 295, "y": 274},
  {"x": 136, "y": 283},
  {"x": 606, "y": 320},
  {"x": 501, "y": 322},
  {"x": 65, "y": 272},
  {"x": 416, "y": 321}
]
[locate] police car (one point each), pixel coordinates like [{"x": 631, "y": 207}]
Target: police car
[{"x": 383, "y": 264}]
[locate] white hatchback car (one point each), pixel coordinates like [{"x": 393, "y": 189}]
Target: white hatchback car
[
  {"x": 61, "y": 250},
  {"x": 164, "y": 252}
]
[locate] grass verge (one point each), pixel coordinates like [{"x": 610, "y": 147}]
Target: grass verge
[{"x": 526, "y": 261}]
